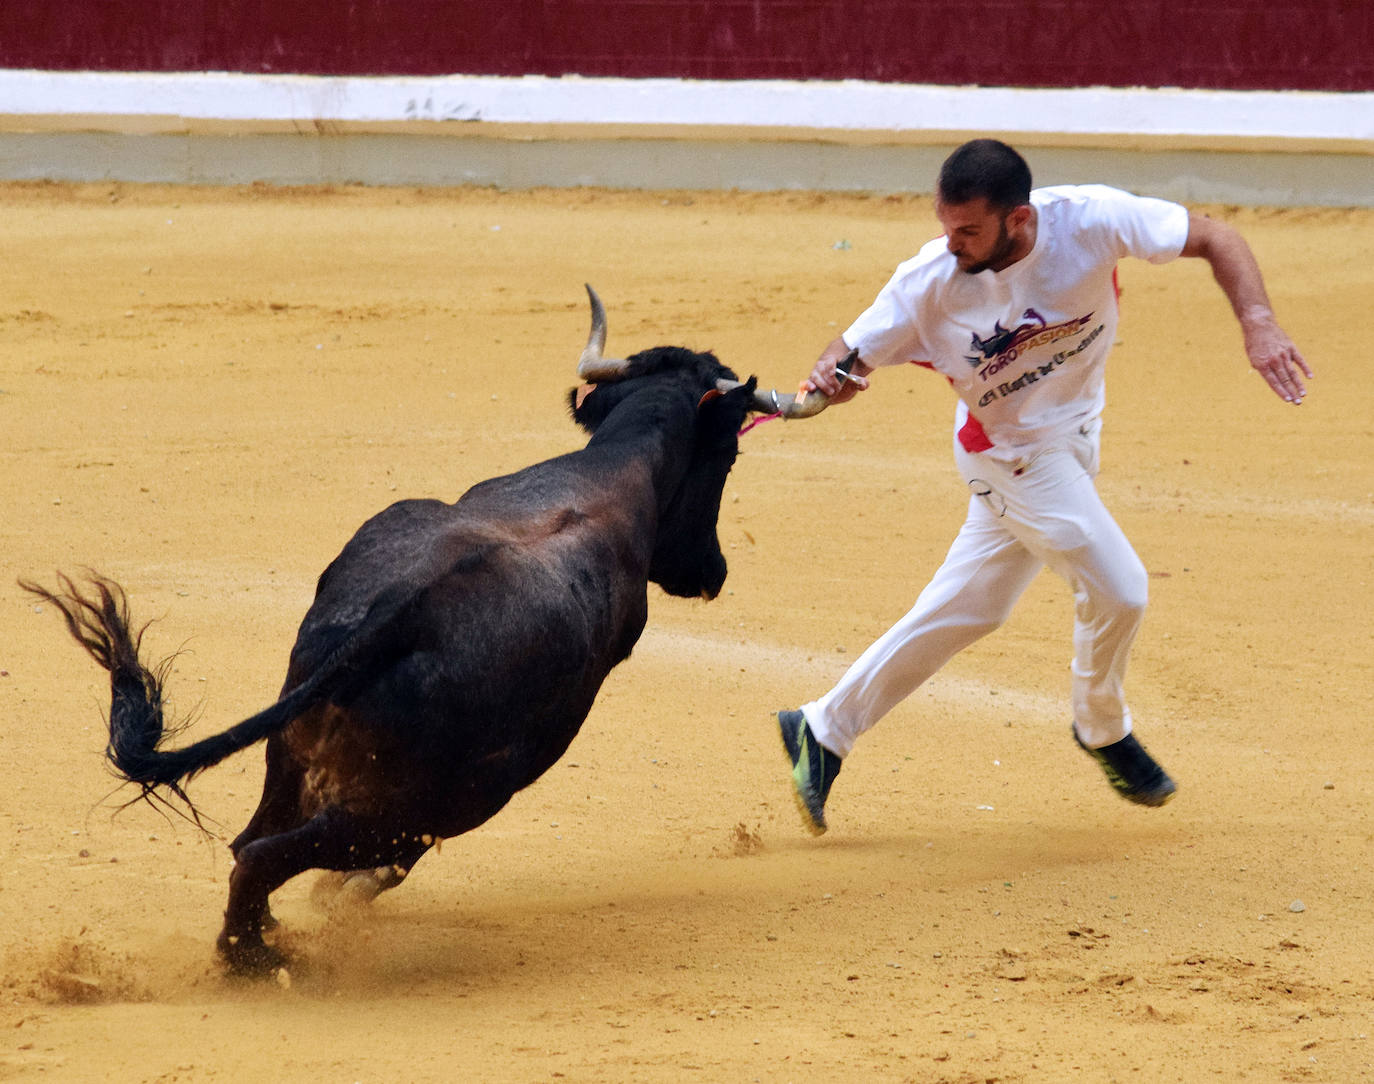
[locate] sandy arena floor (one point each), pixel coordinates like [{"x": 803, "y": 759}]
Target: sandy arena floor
[{"x": 204, "y": 392}]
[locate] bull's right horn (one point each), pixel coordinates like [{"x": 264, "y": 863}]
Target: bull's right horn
[
  {"x": 592, "y": 367},
  {"x": 789, "y": 406}
]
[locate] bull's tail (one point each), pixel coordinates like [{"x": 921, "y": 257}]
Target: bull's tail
[{"x": 98, "y": 618}]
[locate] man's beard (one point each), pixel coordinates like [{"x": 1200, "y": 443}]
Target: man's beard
[{"x": 1000, "y": 251}]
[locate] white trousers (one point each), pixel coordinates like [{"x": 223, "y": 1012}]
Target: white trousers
[{"x": 1022, "y": 516}]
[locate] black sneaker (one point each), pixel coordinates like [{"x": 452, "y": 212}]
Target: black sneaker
[
  {"x": 814, "y": 768},
  {"x": 1131, "y": 771}
]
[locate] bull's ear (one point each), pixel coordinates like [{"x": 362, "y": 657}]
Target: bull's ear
[
  {"x": 732, "y": 390},
  {"x": 585, "y": 408}
]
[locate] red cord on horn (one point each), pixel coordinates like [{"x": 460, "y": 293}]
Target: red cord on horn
[{"x": 759, "y": 421}]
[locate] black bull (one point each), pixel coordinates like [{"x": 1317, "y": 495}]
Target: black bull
[{"x": 453, "y": 650}]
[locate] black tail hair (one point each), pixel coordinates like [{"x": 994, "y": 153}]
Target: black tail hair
[{"x": 98, "y": 619}]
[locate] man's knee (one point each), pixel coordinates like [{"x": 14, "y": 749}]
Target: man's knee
[
  {"x": 1128, "y": 599},
  {"x": 1119, "y": 598}
]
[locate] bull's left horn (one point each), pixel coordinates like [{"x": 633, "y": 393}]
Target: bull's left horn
[
  {"x": 792, "y": 406},
  {"x": 591, "y": 366}
]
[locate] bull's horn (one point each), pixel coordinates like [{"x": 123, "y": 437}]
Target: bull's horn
[
  {"x": 792, "y": 406},
  {"x": 592, "y": 367},
  {"x": 771, "y": 402}
]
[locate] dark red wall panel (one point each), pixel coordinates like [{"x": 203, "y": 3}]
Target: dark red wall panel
[{"x": 1235, "y": 44}]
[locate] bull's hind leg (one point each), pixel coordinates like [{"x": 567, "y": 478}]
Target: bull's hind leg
[
  {"x": 279, "y": 809},
  {"x": 332, "y": 839}
]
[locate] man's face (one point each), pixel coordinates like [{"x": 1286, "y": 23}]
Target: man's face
[{"x": 977, "y": 235}]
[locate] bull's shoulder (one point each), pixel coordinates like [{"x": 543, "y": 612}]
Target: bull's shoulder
[
  {"x": 523, "y": 494},
  {"x": 588, "y": 476}
]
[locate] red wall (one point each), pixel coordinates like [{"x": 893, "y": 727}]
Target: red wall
[{"x": 1237, "y": 44}]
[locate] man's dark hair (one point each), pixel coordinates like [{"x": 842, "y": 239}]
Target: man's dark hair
[{"x": 986, "y": 169}]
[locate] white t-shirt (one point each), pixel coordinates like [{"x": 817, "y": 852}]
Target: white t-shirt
[{"x": 1025, "y": 348}]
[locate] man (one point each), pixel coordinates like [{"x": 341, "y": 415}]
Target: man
[{"x": 1016, "y": 306}]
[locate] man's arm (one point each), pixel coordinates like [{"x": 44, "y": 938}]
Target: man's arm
[
  {"x": 1271, "y": 352},
  {"x": 823, "y": 376}
]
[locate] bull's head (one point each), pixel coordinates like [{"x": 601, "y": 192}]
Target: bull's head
[{"x": 680, "y": 388}]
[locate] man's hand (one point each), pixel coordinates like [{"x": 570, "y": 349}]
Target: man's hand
[
  {"x": 825, "y": 378},
  {"x": 1273, "y": 355}
]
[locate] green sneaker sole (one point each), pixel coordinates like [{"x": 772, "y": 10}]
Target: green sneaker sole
[{"x": 810, "y": 805}]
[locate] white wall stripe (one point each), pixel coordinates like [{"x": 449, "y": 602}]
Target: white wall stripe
[{"x": 147, "y": 103}]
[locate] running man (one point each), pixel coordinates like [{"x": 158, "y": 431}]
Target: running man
[{"x": 1016, "y": 306}]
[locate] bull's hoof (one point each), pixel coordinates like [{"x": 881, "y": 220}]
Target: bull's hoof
[{"x": 249, "y": 957}]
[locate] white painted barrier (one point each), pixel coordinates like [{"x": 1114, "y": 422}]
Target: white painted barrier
[{"x": 1239, "y": 146}]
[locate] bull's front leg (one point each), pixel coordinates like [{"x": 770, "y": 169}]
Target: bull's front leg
[{"x": 365, "y": 885}]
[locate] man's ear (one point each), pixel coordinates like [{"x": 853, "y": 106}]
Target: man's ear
[{"x": 1018, "y": 216}]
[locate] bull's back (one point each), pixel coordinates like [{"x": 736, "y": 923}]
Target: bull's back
[{"x": 498, "y": 633}]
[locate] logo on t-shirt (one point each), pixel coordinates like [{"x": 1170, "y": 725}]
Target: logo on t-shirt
[
  {"x": 1005, "y": 345},
  {"x": 1039, "y": 369}
]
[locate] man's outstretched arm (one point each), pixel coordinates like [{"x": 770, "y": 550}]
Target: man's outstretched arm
[{"x": 1271, "y": 352}]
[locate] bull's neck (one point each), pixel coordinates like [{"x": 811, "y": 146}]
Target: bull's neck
[{"x": 658, "y": 434}]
